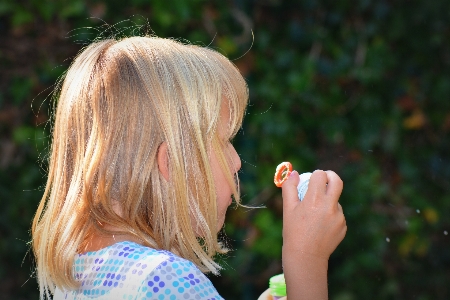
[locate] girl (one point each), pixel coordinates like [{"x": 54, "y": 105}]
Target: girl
[{"x": 141, "y": 173}]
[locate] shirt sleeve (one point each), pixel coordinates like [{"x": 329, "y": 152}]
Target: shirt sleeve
[{"x": 177, "y": 278}]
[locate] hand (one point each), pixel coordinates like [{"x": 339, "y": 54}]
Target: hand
[
  {"x": 267, "y": 296},
  {"x": 312, "y": 229},
  {"x": 316, "y": 225}
]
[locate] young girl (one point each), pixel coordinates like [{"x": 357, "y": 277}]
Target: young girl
[{"x": 142, "y": 171}]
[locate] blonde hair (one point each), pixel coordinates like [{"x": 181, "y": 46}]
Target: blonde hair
[{"x": 119, "y": 101}]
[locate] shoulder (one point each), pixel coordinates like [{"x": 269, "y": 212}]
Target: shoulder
[{"x": 177, "y": 278}]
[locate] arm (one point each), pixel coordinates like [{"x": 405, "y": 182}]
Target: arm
[{"x": 312, "y": 229}]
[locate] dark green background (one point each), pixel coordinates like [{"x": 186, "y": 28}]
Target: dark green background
[{"x": 359, "y": 87}]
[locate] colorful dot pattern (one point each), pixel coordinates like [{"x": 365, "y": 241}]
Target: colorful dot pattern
[{"x": 129, "y": 271}]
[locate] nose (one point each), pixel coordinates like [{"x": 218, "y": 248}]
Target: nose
[{"x": 236, "y": 159}]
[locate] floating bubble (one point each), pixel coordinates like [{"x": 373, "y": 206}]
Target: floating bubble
[
  {"x": 388, "y": 239},
  {"x": 418, "y": 211},
  {"x": 445, "y": 232}
]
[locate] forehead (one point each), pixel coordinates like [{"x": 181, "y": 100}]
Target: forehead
[{"x": 224, "y": 126}]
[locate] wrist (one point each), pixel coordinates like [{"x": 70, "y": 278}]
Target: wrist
[{"x": 305, "y": 255}]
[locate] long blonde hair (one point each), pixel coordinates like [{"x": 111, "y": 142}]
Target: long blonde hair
[{"x": 119, "y": 101}]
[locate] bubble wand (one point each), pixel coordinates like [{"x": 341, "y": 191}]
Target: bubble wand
[{"x": 283, "y": 172}]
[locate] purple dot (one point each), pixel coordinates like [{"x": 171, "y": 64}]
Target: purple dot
[
  {"x": 150, "y": 283},
  {"x": 112, "y": 276},
  {"x": 120, "y": 253},
  {"x": 100, "y": 261},
  {"x": 108, "y": 275},
  {"x": 116, "y": 284},
  {"x": 98, "y": 268},
  {"x": 156, "y": 278},
  {"x": 118, "y": 277},
  {"x": 192, "y": 282},
  {"x": 105, "y": 282},
  {"x": 162, "y": 284},
  {"x": 197, "y": 280},
  {"x": 109, "y": 283},
  {"x": 144, "y": 266},
  {"x": 96, "y": 260},
  {"x": 155, "y": 289},
  {"x": 126, "y": 248},
  {"x": 191, "y": 276}
]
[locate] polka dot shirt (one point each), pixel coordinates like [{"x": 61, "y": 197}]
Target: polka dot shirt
[{"x": 130, "y": 271}]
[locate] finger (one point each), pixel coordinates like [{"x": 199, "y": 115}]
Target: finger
[
  {"x": 266, "y": 295},
  {"x": 335, "y": 185},
  {"x": 289, "y": 191},
  {"x": 317, "y": 184}
]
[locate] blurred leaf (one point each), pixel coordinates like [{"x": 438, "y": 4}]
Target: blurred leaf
[
  {"x": 72, "y": 8},
  {"x": 21, "y": 17},
  {"x": 415, "y": 121}
]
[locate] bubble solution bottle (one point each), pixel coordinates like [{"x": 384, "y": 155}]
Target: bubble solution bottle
[
  {"x": 303, "y": 185},
  {"x": 277, "y": 286}
]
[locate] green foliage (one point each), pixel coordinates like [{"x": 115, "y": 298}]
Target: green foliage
[{"x": 359, "y": 87}]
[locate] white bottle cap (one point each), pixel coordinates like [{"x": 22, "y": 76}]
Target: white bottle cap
[{"x": 303, "y": 185}]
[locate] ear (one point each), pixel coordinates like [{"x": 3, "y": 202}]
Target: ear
[{"x": 163, "y": 160}]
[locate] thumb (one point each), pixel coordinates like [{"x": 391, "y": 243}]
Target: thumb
[{"x": 289, "y": 191}]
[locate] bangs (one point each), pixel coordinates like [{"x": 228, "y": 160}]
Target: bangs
[{"x": 225, "y": 83}]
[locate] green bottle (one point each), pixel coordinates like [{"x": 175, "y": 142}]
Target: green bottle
[{"x": 277, "y": 286}]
